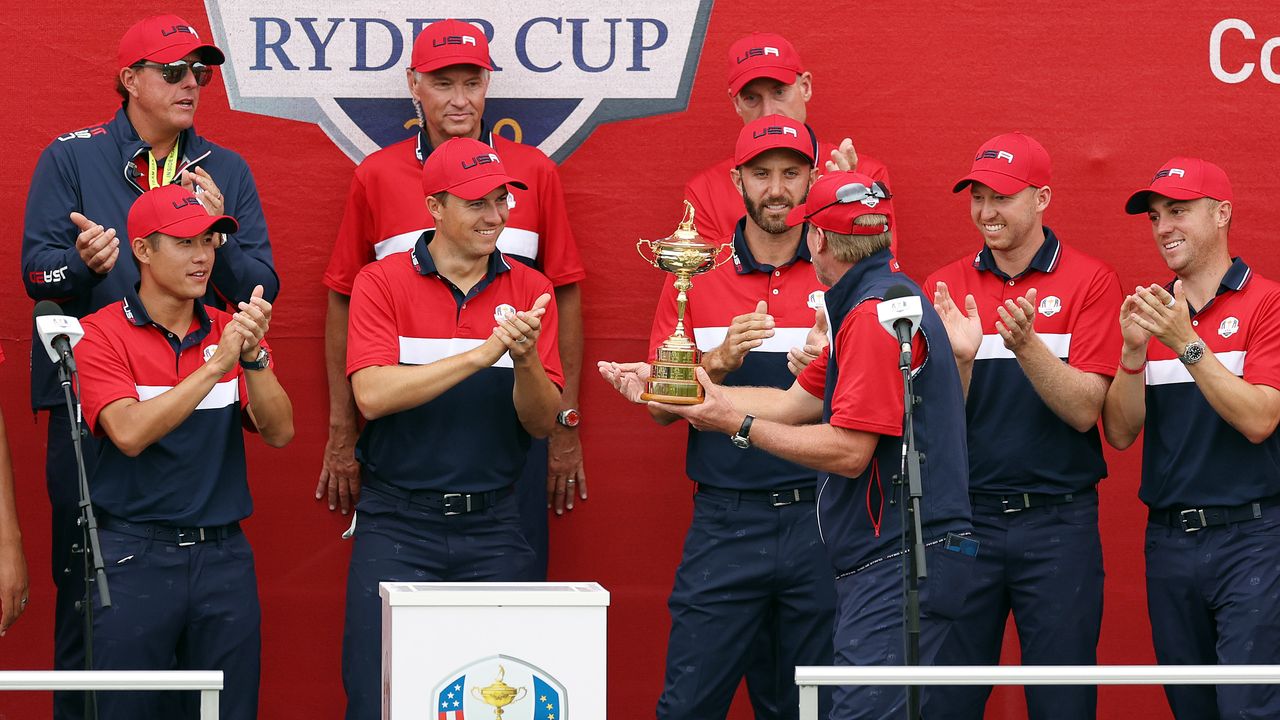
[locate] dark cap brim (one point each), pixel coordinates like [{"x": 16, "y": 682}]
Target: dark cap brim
[{"x": 1140, "y": 202}]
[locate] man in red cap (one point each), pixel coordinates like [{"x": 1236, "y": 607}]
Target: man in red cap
[
  {"x": 169, "y": 385},
  {"x": 1036, "y": 346},
  {"x": 453, "y": 360},
  {"x": 843, "y": 417},
  {"x": 448, "y": 79},
  {"x": 1207, "y": 395},
  {"x": 79, "y": 197},
  {"x": 746, "y": 316},
  {"x": 766, "y": 77}
]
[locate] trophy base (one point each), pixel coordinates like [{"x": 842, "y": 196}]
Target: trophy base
[{"x": 674, "y": 379}]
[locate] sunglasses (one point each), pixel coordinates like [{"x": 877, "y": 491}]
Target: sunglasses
[
  {"x": 857, "y": 192},
  {"x": 174, "y": 72}
]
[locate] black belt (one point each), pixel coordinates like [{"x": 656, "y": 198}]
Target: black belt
[
  {"x": 448, "y": 503},
  {"x": 181, "y": 536},
  {"x": 776, "y": 498},
  {"x": 1017, "y": 502},
  {"x": 1193, "y": 519}
]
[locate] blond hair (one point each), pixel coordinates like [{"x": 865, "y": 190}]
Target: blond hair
[{"x": 853, "y": 248}]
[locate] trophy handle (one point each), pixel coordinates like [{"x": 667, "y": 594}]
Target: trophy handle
[
  {"x": 727, "y": 246},
  {"x": 475, "y": 693},
  {"x": 520, "y": 695},
  {"x": 649, "y": 244}
]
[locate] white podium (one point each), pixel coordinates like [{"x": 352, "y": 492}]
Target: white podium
[{"x": 493, "y": 651}]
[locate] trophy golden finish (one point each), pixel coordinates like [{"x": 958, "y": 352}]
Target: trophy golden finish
[
  {"x": 683, "y": 254},
  {"x": 498, "y": 694}
]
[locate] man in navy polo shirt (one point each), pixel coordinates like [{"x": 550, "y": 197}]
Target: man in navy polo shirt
[
  {"x": 171, "y": 385},
  {"x": 752, "y": 555},
  {"x": 1207, "y": 395},
  {"x": 448, "y": 79},
  {"x": 455, "y": 379},
  {"x": 1036, "y": 347},
  {"x": 843, "y": 416}
]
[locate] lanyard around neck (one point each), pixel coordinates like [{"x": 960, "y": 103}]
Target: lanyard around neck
[{"x": 170, "y": 167}]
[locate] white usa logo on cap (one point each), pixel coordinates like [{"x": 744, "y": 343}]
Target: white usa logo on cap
[{"x": 1229, "y": 327}]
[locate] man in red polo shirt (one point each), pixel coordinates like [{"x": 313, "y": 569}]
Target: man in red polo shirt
[
  {"x": 385, "y": 214},
  {"x": 171, "y": 384},
  {"x": 453, "y": 360}
]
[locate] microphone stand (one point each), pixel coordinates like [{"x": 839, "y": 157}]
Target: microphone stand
[
  {"x": 91, "y": 548},
  {"x": 913, "y": 560}
]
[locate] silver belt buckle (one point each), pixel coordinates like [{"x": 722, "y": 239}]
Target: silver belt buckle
[
  {"x": 783, "y": 499},
  {"x": 1004, "y": 504},
  {"x": 448, "y": 501},
  {"x": 198, "y": 537},
  {"x": 1197, "y": 513}
]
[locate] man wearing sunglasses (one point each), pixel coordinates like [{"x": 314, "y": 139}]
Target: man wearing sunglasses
[
  {"x": 79, "y": 198},
  {"x": 843, "y": 417},
  {"x": 1037, "y": 345},
  {"x": 448, "y": 79}
]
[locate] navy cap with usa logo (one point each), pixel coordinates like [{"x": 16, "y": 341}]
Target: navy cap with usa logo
[
  {"x": 465, "y": 167},
  {"x": 450, "y": 42},
  {"x": 174, "y": 211},
  {"x": 164, "y": 39},
  {"x": 1182, "y": 178},
  {"x": 762, "y": 55}
]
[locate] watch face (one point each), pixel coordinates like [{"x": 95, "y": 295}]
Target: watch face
[
  {"x": 741, "y": 442},
  {"x": 1193, "y": 353},
  {"x": 569, "y": 418}
]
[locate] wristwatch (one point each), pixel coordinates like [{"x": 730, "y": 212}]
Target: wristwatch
[
  {"x": 1192, "y": 353},
  {"x": 742, "y": 438},
  {"x": 569, "y": 418},
  {"x": 259, "y": 363}
]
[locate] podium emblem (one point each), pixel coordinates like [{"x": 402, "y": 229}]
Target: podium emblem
[{"x": 500, "y": 687}]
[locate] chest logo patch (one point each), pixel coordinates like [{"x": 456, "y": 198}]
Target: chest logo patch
[
  {"x": 1229, "y": 327},
  {"x": 209, "y": 351},
  {"x": 1050, "y": 306}
]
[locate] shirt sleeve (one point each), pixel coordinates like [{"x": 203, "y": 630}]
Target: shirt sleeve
[
  {"x": 1262, "y": 346},
  {"x": 51, "y": 265},
  {"x": 245, "y": 260},
  {"x": 868, "y": 392},
  {"x": 105, "y": 374},
  {"x": 352, "y": 249},
  {"x": 559, "y": 259},
  {"x": 1096, "y": 338},
  {"x": 814, "y": 377},
  {"x": 372, "y": 336}
]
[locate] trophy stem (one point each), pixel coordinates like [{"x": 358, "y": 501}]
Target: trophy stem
[{"x": 682, "y": 301}]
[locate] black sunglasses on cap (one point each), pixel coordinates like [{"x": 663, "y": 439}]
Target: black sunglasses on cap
[
  {"x": 174, "y": 72},
  {"x": 856, "y": 192}
]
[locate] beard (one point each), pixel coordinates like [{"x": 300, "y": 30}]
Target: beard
[{"x": 772, "y": 226}]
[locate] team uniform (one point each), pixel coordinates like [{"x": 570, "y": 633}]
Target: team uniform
[
  {"x": 1033, "y": 478},
  {"x": 386, "y": 214},
  {"x": 860, "y": 519},
  {"x": 1213, "y": 561},
  {"x": 94, "y": 171},
  {"x": 717, "y": 202},
  {"x": 437, "y": 498},
  {"x": 183, "y": 588},
  {"x": 752, "y": 554}
]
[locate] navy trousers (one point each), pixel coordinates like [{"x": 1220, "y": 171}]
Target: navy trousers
[
  {"x": 185, "y": 608},
  {"x": 870, "y": 631},
  {"x": 1214, "y": 598},
  {"x": 397, "y": 541},
  {"x": 531, "y": 494},
  {"x": 62, "y": 482},
  {"x": 746, "y": 564},
  {"x": 1043, "y": 564}
]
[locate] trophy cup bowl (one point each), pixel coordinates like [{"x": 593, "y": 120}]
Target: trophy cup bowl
[
  {"x": 498, "y": 694},
  {"x": 684, "y": 254}
]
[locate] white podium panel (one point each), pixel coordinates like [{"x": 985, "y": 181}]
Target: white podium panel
[{"x": 493, "y": 651}]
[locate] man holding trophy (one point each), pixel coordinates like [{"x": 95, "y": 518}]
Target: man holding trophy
[
  {"x": 754, "y": 538},
  {"x": 843, "y": 416}
]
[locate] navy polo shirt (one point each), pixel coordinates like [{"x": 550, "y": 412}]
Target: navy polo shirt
[
  {"x": 718, "y": 297},
  {"x": 861, "y": 389},
  {"x": 1017, "y": 444},
  {"x": 1191, "y": 457},
  {"x": 469, "y": 438},
  {"x": 195, "y": 475}
]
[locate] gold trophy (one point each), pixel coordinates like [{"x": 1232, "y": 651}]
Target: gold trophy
[
  {"x": 683, "y": 254},
  {"x": 498, "y": 694}
]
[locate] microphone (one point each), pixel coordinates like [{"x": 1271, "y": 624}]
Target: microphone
[
  {"x": 899, "y": 315},
  {"x": 58, "y": 332}
]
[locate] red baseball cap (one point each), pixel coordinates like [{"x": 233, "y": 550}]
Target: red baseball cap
[
  {"x": 450, "y": 42},
  {"x": 174, "y": 211},
  {"x": 837, "y": 198},
  {"x": 1182, "y": 178},
  {"x": 769, "y": 133},
  {"x": 466, "y": 168},
  {"x": 163, "y": 39},
  {"x": 762, "y": 55},
  {"x": 1008, "y": 163}
]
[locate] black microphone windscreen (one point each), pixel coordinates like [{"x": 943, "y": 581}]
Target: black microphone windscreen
[
  {"x": 898, "y": 291},
  {"x": 47, "y": 307}
]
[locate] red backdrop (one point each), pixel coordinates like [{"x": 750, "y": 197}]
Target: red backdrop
[{"x": 918, "y": 85}]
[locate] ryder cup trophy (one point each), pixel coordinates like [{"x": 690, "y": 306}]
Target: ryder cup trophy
[{"x": 684, "y": 255}]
